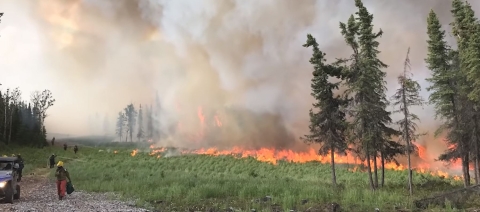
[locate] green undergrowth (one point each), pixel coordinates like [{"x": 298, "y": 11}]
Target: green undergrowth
[{"x": 200, "y": 182}]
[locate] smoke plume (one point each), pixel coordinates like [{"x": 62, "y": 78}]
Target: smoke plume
[{"x": 240, "y": 58}]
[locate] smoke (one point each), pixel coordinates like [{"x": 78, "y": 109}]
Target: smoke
[{"x": 240, "y": 58}]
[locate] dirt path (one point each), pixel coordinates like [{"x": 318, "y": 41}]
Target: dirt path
[{"x": 39, "y": 194}]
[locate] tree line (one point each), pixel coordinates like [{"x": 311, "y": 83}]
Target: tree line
[
  {"x": 357, "y": 119},
  {"x": 22, "y": 122},
  {"x": 142, "y": 125}
]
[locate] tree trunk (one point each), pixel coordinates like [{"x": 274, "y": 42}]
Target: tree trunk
[
  {"x": 476, "y": 152},
  {"x": 475, "y": 170},
  {"x": 5, "y": 118},
  {"x": 332, "y": 160},
  {"x": 410, "y": 172},
  {"x": 375, "y": 170},
  {"x": 382, "y": 155},
  {"x": 369, "y": 167},
  {"x": 466, "y": 173},
  {"x": 10, "y": 130},
  {"x": 406, "y": 136}
]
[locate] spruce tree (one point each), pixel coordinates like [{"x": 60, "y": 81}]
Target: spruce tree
[
  {"x": 407, "y": 96},
  {"x": 120, "y": 125},
  {"x": 444, "y": 64},
  {"x": 367, "y": 86},
  {"x": 131, "y": 119},
  {"x": 149, "y": 123},
  {"x": 328, "y": 125},
  {"x": 140, "y": 132},
  {"x": 465, "y": 28}
]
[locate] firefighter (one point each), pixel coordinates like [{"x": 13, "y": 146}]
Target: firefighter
[
  {"x": 75, "y": 149},
  {"x": 51, "y": 161},
  {"x": 62, "y": 175},
  {"x": 20, "y": 167},
  {"x": 65, "y": 146},
  {"x": 53, "y": 141}
]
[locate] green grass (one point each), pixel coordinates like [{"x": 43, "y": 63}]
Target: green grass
[{"x": 203, "y": 182}]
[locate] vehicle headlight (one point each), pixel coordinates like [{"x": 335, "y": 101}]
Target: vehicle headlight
[{"x": 3, "y": 184}]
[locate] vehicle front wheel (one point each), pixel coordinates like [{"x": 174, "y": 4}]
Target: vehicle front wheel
[
  {"x": 9, "y": 193},
  {"x": 17, "y": 195}
]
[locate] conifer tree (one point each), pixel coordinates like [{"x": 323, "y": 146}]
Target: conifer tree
[
  {"x": 407, "y": 96},
  {"x": 140, "y": 133},
  {"x": 120, "y": 125},
  {"x": 131, "y": 119},
  {"x": 443, "y": 62},
  {"x": 328, "y": 125},
  {"x": 149, "y": 123},
  {"x": 366, "y": 84}
]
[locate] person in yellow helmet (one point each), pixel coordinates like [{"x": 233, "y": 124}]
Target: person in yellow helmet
[{"x": 62, "y": 175}]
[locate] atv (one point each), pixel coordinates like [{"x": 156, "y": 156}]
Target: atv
[{"x": 9, "y": 188}]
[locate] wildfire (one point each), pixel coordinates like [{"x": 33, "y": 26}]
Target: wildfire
[
  {"x": 273, "y": 156},
  {"x": 134, "y": 152}
]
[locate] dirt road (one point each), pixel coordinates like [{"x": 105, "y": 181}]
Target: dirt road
[{"x": 38, "y": 193}]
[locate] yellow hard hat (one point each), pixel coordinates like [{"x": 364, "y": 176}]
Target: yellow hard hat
[{"x": 60, "y": 163}]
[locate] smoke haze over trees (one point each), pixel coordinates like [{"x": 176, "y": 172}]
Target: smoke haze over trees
[{"x": 258, "y": 85}]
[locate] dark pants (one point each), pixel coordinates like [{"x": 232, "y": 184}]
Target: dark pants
[
  {"x": 20, "y": 171},
  {"x": 52, "y": 164}
]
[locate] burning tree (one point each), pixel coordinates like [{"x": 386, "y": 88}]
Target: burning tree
[
  {"x": 328, "y": 125},
  {"x": 405, "y": 97}
]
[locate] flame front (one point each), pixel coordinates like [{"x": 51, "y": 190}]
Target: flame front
[{"x": 273, "y": 156}]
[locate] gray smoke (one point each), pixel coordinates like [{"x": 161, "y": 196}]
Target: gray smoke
[{"x": 98, "y": 56}]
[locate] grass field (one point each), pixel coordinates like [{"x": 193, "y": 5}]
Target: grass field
[{"x": 200, "y": 182}]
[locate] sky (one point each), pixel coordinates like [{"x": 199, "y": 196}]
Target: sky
[{"x": 97, "y": 56}]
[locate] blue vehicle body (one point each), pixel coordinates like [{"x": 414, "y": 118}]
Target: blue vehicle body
[{"x": 9, "y": 188}]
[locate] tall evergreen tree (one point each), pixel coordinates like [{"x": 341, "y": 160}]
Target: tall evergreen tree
[
  {"x": 444, "y": 65},
  {"x": 14, "y": 99},
  {"x": 467, "y": 31},
  {"x": 367, "y": 86},
  {"x": 149, "y": 123},
  {"x": 131, "y": 117},
  {"x": 120, "y": 125},
  {"x": 407, "y": 96},
  {"x": 328, "y": 125},
  {"x": 140, "y": 133}
]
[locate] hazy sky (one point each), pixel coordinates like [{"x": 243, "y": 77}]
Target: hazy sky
[{"x": 96, "y": 56}]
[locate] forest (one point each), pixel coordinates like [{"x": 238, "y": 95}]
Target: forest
[
  {"x": 357, "y": 120},
  {"x": 22, "y": 122},
  {"x": 134, "y": 124}
]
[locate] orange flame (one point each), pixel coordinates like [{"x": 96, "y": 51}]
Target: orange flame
[
  {"x": 134, "y": 152},
  {"x": 273, "y": 156}
]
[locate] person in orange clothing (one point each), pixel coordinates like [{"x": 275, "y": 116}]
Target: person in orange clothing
[{"x": 62, "y": 176}]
